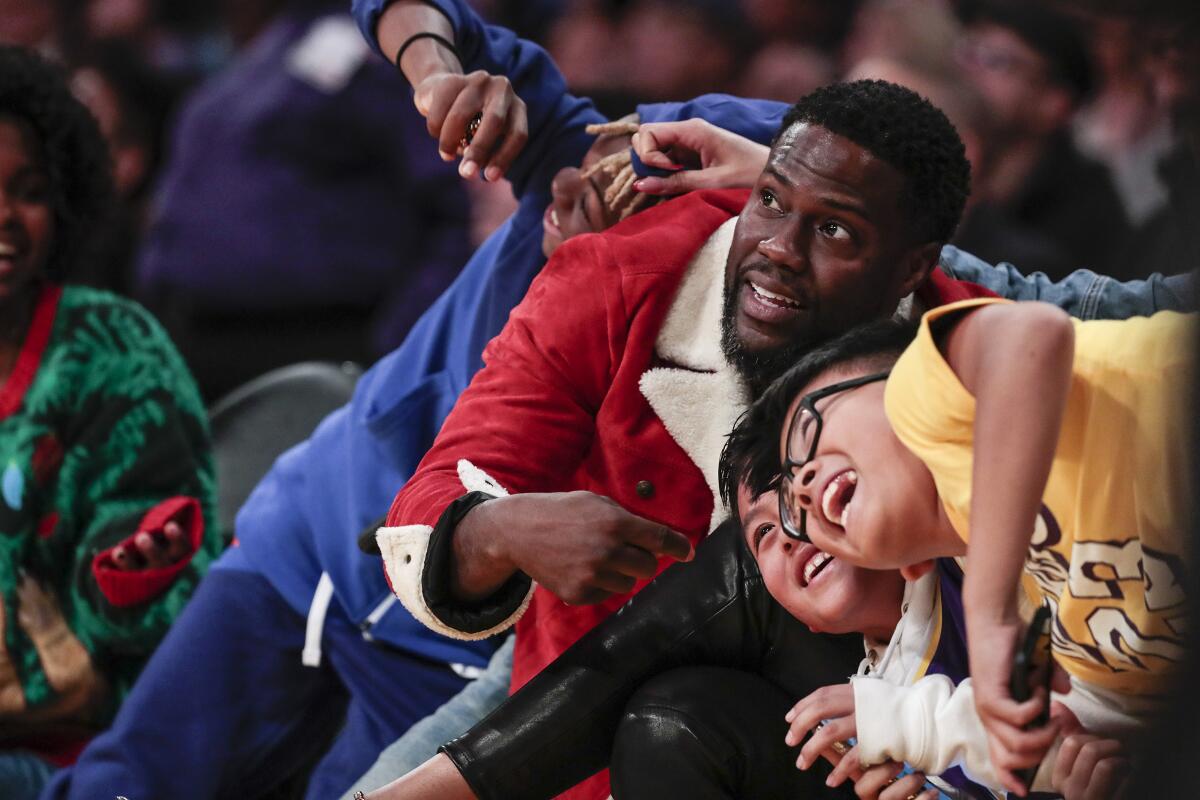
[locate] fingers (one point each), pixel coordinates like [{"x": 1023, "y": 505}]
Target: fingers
[
  {"x": 434, "y": 98},
  {"x": 1023, "y": 748},
  {"x": 827, "y": 702},
  {"x": 904, "y": 787},
  {"x": 687, "y": 180},
  {"x": 126, "y": 558},
  {"x": 493, "y": 120},
  {"x": 657, "y": 539},
  {"x": 465, "y": 106},
  {"x": 1089, "y": 768},
  {"x": 634, "y": 562},
  {"x": 450, "y": 102},
  {"x": 830, "y": 736},
  {"x": 177, "y": 544},
  {"x": 848, "y": 766},
  {"x": 512, "y": 143},
  {"x": 649, "y": 149},
  {"x": 874, "y": 780},
  {"x": 152, "y": 551}
]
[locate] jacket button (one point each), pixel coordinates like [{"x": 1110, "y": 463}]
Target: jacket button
[{"x": 644, "y": 489}]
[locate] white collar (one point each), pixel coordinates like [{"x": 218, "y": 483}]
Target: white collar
[{"x": 699, "y": 396}]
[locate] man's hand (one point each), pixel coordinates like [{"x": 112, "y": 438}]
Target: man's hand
[
  {"x": 993, "y": 642},
  {"x": 716, "y": 158},
  {"x": 579, "y": 545},
  {"x": 449, "y": 101},
  {"x": 150, "y": 551}
]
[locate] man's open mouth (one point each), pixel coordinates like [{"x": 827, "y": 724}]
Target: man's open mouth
[
  {"x": 772, "y": 298},
  {"x": 835, "y": 500}
]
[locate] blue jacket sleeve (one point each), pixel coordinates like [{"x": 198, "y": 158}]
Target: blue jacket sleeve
[
  {"x": 556, "y": 118},
  {"x": 755, "y": 119},
  {"x": 1082, "y": 294}
]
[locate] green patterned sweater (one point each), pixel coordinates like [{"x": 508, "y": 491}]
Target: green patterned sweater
[{"x": 102, "y": 435}]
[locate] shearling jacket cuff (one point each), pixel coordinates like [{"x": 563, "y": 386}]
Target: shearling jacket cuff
[
  {"x": 485, "y": 617},
  {"x": 418, "y": 561}
]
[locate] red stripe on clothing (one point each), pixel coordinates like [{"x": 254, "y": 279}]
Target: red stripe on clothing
[{"x": 18, "y": 383}]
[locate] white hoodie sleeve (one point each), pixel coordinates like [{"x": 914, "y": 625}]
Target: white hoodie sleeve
[{"x": 932, "y": 726}]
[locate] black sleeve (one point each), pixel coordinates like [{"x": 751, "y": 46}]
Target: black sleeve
[
  {"x": 436, "y": 580},
  {"x": 558, "y": 730}
]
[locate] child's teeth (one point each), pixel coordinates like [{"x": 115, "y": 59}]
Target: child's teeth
[
  {"x": 827, "y": 499},
  {"x": 7, "y": 250},
  {"x": 835, "y": 485}
]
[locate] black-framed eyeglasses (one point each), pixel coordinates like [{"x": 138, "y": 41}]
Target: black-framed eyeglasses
[{"x": 803, "y": 435}]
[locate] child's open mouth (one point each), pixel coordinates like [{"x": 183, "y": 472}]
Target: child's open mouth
[
  {"x": 835, "y": 500},
  {"x": 812, "y": 568}
]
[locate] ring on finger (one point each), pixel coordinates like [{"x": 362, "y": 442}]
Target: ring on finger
[{"x": 472, "y": 129}]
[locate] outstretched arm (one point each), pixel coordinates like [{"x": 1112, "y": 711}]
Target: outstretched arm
[
  {"x": 1000, "y": 353},
  {"x": 1083, "y": 293}
]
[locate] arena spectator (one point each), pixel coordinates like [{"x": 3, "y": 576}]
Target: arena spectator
[
  {"x": 1031, "y": 65},
  {"x": 106, "y": 480},
  {"x": 299, "y": 207}
]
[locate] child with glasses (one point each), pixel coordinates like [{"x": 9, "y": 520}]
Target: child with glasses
[{"x": 1047, "y": 451}]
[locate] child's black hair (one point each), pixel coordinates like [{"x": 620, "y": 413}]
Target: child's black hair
[
  {"x": 35, "y": 93},
  {"x": 751, "y": 452}
]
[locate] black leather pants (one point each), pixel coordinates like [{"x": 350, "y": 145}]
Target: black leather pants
[
  {"x": 714, "y": 611},
  {"x": 710, "y": 733}
]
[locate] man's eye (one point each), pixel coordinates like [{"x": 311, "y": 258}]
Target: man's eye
[
  {"x": 835, "y": 230},
  {"x": 768, "y": 199}
]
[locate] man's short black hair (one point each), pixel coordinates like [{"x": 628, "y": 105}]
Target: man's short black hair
[
  {"x": 751, "y": 453},
  {"x": 35, "y": 94},
  {"x": 900, "y": 127}
]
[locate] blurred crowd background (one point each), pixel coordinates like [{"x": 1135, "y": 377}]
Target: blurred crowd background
[{"x": 281, "y": 201}]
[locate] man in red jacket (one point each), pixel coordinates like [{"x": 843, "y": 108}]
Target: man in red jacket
[{"x": 583, "y": 456}]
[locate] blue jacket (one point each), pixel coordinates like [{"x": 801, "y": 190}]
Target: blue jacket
[{"x": 305, "y": 517}]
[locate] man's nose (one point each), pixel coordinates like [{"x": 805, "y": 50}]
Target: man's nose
[{"x": 785, "y": 247}]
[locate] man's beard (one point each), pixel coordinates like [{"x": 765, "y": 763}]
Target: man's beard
[{"x": 758, "y": 369}]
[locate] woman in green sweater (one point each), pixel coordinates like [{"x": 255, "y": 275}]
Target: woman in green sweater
[{"x": 106, "y": 479}]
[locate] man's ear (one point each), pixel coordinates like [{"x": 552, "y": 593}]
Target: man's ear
[
  {"x": 916, "y": 266},
  {"x": 914, "y": 572}
]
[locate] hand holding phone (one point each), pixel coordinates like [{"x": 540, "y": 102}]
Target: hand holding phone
[{"x": 1031, "y": 656}]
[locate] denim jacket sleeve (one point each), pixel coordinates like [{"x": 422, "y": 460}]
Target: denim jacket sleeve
[{"x": 1083, "y": 293}]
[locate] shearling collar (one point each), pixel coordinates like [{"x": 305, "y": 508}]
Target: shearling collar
[{"x": 698, "y": 395}]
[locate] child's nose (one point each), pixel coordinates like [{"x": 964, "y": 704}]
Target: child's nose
[{"x": 804, "y": 484}]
